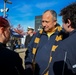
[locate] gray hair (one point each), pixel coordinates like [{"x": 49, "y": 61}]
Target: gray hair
[{"x": 53, "y": 13}]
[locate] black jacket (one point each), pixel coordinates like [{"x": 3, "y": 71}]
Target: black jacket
[
  {"x": 27, "y": 40},
  {"x": 43, "y": 48},
  {"x": 10, "y": 62}
]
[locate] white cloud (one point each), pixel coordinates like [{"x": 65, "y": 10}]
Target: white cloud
[
  {"x": 23, "y": 15},
  {"x": 45, "y": 4},
  {"x": 22, "y": 8},
  {"x": 15, "y": 7}
]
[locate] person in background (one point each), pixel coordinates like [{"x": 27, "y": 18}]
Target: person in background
[
  {"x": 10, "y": 62},
  {"x": 43, "y": 45},
  {"x": 65, "y": 61},
  {"x": 30, "y": 34}
]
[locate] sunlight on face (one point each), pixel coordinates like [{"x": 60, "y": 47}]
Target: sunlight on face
[{"x": 48, "y": 21}]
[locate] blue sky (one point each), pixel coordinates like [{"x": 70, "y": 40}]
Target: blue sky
[{"x": 24, "y": 11}]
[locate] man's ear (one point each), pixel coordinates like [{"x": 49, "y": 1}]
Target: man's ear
[
  {"x": 69, "y": 23},
  {"x": 55, "y": 22}
]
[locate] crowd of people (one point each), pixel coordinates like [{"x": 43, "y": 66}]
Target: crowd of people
[{"x": 51, "y": 51}]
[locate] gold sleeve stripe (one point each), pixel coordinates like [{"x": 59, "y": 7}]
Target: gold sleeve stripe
[
  {"x": 58, "y": 38},
  {"x": 36, "y": 40},
  {"x": 54, "y": 47},
  {"x": 34, "y": 51},
  {"x": 50, "y": 59},
  {"x": 47, "y": 73}
]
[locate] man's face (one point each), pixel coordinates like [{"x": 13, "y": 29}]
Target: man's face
[
  {"x": 29, "y": 32},
  {"x": 48, "y": 21}
]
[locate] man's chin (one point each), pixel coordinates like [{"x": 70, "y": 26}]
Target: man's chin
[{"x": 46, "y": 30}]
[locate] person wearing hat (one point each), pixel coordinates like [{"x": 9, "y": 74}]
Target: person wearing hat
[
  {"x": 30, "y": 28},
  {"x": 30, "y": 33}
]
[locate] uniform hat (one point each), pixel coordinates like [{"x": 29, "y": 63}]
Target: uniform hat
[{"x": 30, "y": 28}]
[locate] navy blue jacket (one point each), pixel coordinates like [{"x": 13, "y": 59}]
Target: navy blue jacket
[
  {"x": 43, "y": 51},
  {"x": 64, "y": 59}
]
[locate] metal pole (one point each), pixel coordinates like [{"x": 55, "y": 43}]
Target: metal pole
[
  {"x": 6, "y": 1},
  {"x": 4, "y": 9}
]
